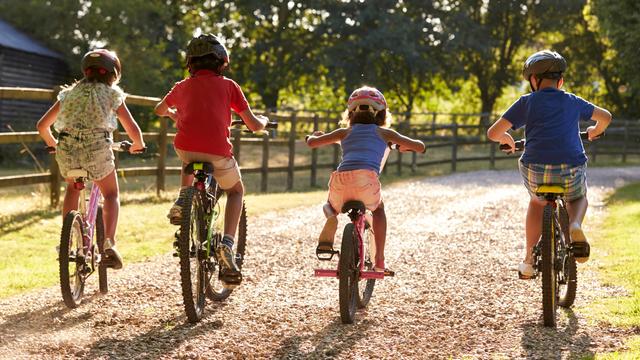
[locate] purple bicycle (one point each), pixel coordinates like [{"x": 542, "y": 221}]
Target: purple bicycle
[{"x": 80, "y": 253}]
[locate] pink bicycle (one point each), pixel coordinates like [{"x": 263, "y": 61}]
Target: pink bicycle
[{"x": 80, "y": 253}]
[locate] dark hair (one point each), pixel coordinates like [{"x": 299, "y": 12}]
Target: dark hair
[
  {"x": 205, "y": 62},
  {"x": 365, "y": 117},
  {"x": 97, "y": 74}
]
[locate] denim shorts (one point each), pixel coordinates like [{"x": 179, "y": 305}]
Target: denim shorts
[
  {"x": 89, "y": 150},
  {"x": 572, "y": 178}
]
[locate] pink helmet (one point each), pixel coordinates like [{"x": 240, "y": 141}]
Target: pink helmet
[{"x": 369, "y": 96}]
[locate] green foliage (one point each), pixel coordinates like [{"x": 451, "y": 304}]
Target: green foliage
[{"x": 311, "y": 54}]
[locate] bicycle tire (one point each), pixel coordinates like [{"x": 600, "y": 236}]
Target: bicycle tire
[
  {"x": 102, "y": 268},
  {"x": 221, "y": 293},
  {"x": 567, "y": 292},
  {"x": 364, "y": 296},
  {"x": 215, "y": 290},
  {"x": 549, "y": 284},
  {"x": 72, "y": 229},
  {"x": 347, "y": 275},
  {"x": 190, "y": 250}
]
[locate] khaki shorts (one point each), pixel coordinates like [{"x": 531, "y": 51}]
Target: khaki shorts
[
  {"x": 362, "y": 185},
  {"x": 225, "y": 169},
  {"x": 89, "y": 150}
]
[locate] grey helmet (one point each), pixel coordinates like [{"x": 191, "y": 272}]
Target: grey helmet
[
  {"x": 545, "y": 64},
  {"x": 207, "y": 44}
]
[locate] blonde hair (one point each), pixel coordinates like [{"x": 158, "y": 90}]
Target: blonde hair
[{"x": 382, "y": 118}]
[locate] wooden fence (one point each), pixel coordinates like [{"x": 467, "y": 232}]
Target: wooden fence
[{"x": 622, "y": 140}]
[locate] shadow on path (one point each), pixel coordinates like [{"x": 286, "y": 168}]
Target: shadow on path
[{"x": 539, "y": 342}]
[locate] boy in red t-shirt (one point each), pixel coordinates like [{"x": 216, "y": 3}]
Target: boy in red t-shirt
[{"x": 201, "y": 107}]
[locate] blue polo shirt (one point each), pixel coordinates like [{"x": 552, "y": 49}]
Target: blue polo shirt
[{"x": 551, "y": 123}]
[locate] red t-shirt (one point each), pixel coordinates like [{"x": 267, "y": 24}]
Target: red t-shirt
[{"x": 204, "y": 102}]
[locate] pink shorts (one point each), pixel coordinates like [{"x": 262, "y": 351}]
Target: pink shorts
[{"x": 362, "y": 185}]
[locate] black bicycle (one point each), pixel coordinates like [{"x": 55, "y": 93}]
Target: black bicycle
[
  {"x": 200, "y": 233},
  {"x": 555, "y": 255}
]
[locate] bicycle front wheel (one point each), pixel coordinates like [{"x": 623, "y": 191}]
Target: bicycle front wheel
[
  {"x": 193, "y": 260},
  {"x": 72, "y": 260},
  {"x": 369, "y": 248},
  {"x": 568, "y": 277},
  {"x": 215, "y": 290},
  {"x": 549, "y": 285},
  {"x": 348, "y": 275},
  {"x": 102, "y": 268}
]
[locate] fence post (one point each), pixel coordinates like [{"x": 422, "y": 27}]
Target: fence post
[
  {"x": 162, "y": 156},
  {"x": 237, "y": 137},
  {"x": 414, "y": 155},
  {"x": 264, "y": 171},
  {"x": 454, "y": 145},
  {"x": 433, "y": 124},
  {"x": 292, "y": 152},
  {"x": 492, "y": 156},
  {"x": 626, "y": 139},
  {"x": 54, "y": 170},
  {"x": 314, "y": 155}
]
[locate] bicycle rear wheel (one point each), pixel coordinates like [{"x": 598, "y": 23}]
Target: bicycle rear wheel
[
  {"x": 73, "y": 265},
  {"x": 369, "y": 259},
  {"x": 549, "y": 285},
  {"x": 192, "y": 255},
  {"x": 102, "y": 268},
  {"x": 568, "y": 276},
  {"x": 348, "y": 275}
]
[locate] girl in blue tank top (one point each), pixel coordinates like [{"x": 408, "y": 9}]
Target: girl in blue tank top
[{"x": 364, "y": 149}]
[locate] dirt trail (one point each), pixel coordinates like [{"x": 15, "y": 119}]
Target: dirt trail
[{"x": 454, "y": 242}]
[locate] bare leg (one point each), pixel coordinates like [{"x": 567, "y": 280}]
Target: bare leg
[
  {"x": 109, "y": 188},
  {"x": 533, "y": 226},
  {"x": 233, "y": 209},
  {"x": 577, "y": 209},
  {"x": 71, "y": 197},
  {"x": 185, "y": 179},
  {"x": 380, "y": 233}
]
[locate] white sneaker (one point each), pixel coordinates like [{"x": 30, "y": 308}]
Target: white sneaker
[{"x": 525, "y": 270}]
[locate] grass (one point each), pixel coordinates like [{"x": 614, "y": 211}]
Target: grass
[{"x": 620, "y": 266}]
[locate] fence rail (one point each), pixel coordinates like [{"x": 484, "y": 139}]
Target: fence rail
[{"x": 622, "y": 140}]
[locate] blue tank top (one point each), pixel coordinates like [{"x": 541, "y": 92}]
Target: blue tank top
[{"x": 363, "y": 148}]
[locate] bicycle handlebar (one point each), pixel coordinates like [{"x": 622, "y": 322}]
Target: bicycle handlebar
[
  {"x": 269, "y": 125},
  {"x": 520, "y": 143},
  {"x": 122, "y": 146}
]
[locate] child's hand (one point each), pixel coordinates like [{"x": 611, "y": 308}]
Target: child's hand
[
  {"x": 508, "y": 139},
  {"x": 591, "y": 131},
  {"x": 137, "y": 147}
]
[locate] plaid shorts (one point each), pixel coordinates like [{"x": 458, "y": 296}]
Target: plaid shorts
[
  {"x": 572, "y": 178},
  {"x": 86, "y": 149}
]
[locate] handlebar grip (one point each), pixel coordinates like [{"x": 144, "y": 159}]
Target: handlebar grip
[
  {"x": 393, "y": 146},
  {"x": 125, "y": 146},
  {"x": 271, "y": 125},
  {"x": 237, "y": 122},
  {"x": 519, "y": 146},
  {"x": 50, "y": 149}
]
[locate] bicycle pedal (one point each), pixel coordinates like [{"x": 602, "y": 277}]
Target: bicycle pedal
[{"x": 326, "y": 255}]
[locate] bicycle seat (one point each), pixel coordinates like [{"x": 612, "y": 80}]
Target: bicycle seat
[
  {"x": 353, "y": 205},
  {"x": 206, "y": 167},
  {"x": 550, "y": 189},
  {"x": 77, "y": 173}
]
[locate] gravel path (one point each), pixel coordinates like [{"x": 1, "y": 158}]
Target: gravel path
[{"x": 454, "y": 242}]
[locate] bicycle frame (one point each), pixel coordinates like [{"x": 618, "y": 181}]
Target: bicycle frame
[{"x": 358, "y": 220}]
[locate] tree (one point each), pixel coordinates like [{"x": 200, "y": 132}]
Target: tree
[{"x": 489, "y": 33}]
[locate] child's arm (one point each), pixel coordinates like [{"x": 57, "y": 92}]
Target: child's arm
[
  {"x": 253, "y": 122},
  {"x": 405, "y": 143},
  {"x": 162, "y": 109},
  {"x": 498, "y": 133},
  {"x": 319, "y": 138},
  {"x": 44, "y": 125},
  {"x": 131, "y": 127},
  {"x": 602, "y": 117}
]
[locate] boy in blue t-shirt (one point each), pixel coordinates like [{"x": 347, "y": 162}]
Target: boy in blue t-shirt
[{"x": 553, "y": 151}]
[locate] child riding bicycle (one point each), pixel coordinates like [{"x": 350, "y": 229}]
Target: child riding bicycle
[
  {"x": 364, "y": 144},
  {"x": 85, "y": 116},
  {"x": 553, "y": 152},
  {"x": 201, "y": 107}
]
